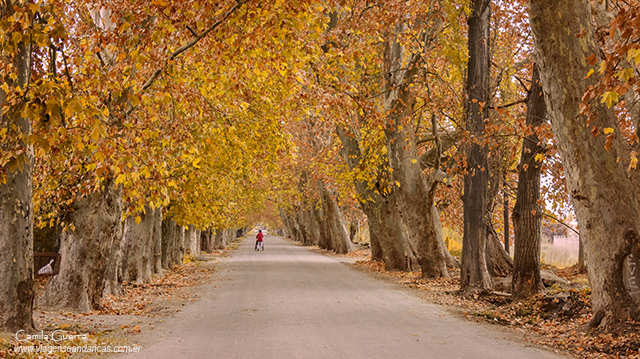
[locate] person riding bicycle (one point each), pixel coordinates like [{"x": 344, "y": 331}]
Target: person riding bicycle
[{"x": 259, "y": 241}]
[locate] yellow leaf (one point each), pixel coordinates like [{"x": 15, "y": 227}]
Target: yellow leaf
[
  {"x": 625, "y": 74},
  {"x": 539, "y": 157},
  {"x": 138, "y": 219},
  {"x": 120, "y": 179},
  {"x": 635, "y": 55},
  {"x": 608, "y": 131},
  {"x": 195, "y": 162},
  {"x": 397, "y": 183},
  {"x": 95, "y": 133},
  {"x": 589, "y": 73},
  {"x": 610, "y": 98},
  {"x": 603, "y": 65},
  {"x": 414, "y": 161}
]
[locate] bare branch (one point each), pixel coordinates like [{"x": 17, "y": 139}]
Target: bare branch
[{"x": 524, "y": 100}]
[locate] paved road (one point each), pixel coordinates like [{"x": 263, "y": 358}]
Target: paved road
[{"x": 288, "y": 302}]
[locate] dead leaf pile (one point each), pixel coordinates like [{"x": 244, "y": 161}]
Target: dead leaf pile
[{"x": 136, "y": 297}]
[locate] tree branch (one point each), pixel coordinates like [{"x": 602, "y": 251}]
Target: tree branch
[
  {"x": 509, "y": 104},
  {"x": 560, "y": 222},
  {"x": 188, "y": 45}
]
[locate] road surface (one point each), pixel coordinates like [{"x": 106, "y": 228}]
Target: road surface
[{"x": 288, "y": 302}]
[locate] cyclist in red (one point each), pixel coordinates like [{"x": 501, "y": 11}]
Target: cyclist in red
[{"x": 259, "y": 241}]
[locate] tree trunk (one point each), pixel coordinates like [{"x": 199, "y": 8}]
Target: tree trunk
[
  {"x": 285, "y": 221},
  {"x": 86, "y": 251},
  {"x": 474, "y": 275},
  {"x": 303, "y": 225},
  {"x": 172, "y": 239},
  {"x": 605, "y": 195},
  {"x": 505, "y": 219},
  {"x": 218, "y": 242},
  {"x": 323, "y": 226},
  {"x": 206, "y": 241},
  {"x": 582, "y": 267},
  {"x": 16, "y": 211},
  {"x": 527, "y": 213},
  {"x": 415, "y": 193},
  {"x": 386, "y": 234},
  {"x": 309, "y": 231},
  {"x": 339, "y": 237},
  {"x": 156, "y": 240},
  {"x": 113, "y": 281},
  {"x": 139, "y": 248},
  {"x": 192, "y": 240}
]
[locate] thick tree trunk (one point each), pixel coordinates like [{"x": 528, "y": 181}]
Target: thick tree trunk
[
  {"x": 206, "y": 241},
  {"x": 156, "y": 241},
  {"x": 386, "y": 232},
  {"x": 86, "y": 251},
  {"x": 323, "y": 226},
  {"x": 303, "y": 225},
  {"x": 605, "y": 195},
  {"x": 415, "y": 193},
  {"x": 499, "y": 264},
  {"x": 140, "y": 239},
  {"x": 527, "y": 213},
  {"x": 313, "y": 224},
  {"x": 172, "y": 243},
  {"x": 218, "y": 242},
  {"x": 192, "y": 240},
  {"x": 474, "y": 276},
  {"x": 16, "y": 212},
  {"x": 285, "y": 221},
  {"x": 450, "y": 260},
  {"x": 229, "y": 235},
  {"x": 113, "y": 281},
  {"x": 582, "y": 266},
  {"x": 334, "y": 221}
]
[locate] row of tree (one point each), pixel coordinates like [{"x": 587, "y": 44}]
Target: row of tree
[
  {"x": 420, "y": 110},
  {"x": 417, "y": 113},
  {"x": 123, "y": 123}
]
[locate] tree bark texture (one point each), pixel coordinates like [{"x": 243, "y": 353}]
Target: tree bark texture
[
  {"x": 474, "y": 275},
  {"x": 206, "y": 241},
  {"x": 85, "y": 252},
  {"x": 386, "y": 232},
  {"x": 113, "y": 281},
  {"x": 415, "y": 191},
  {"x": 218, "y": 242},
  {"x": 334, "y": 222},
  {"x": 606, "y": 197},
  {"x": 285, "y": 222},
  {"x": 192, "y": 240},
  {"x": 140, "y": 239},
  {"x": 16, "y": 214},
  {"x": 527, "y": 213},
  {"x": 156, "y": 242},
  {"x": 172, "y": 243}
]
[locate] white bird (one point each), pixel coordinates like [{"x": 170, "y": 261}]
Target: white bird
[{"x": 46, "y": 269}]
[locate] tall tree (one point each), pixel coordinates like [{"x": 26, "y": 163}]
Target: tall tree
[
  {"x": 601, "y": 175},
  {"x": 16, "y": 190},
  {"x": 385, "y": 222},
  {"x": 527, "y": 212},
  {"x": 474, "y": 274},
  {"x": 415, "y": 190}
]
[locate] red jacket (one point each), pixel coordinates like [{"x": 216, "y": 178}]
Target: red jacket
[{"x": 259, "y": 237}]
